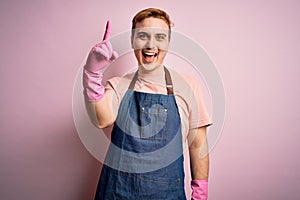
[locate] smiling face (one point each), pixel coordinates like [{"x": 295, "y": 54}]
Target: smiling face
[{"x": 150, "y": 41}]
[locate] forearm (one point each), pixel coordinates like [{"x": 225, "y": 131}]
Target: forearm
[
  {"x": 199, "y": 157},
  {"x": 199, "y": 165},
  {"x": 105, "y": 112},
  {"x": 100, "y": 113}
]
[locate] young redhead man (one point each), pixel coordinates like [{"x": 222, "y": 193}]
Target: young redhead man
[{"x": 156, "y": 114}]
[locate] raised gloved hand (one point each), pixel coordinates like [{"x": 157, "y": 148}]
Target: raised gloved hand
[
  {"x": 200, "y": 189},
  {"x": 100, "y": 56}
]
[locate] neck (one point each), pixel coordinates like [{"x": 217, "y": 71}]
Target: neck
[
  {"x": 151, "y": 69},
  {"x": 156, "y": 74}
]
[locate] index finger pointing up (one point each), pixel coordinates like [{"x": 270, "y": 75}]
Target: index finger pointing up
[{"x": 107, "y": 31}]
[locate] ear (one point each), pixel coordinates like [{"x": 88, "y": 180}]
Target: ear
[
  {"x": 131, "y": 40},
  {"x": 132, "y": 37}
]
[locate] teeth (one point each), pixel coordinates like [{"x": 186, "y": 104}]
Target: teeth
[{"x": 149, "y": 54}]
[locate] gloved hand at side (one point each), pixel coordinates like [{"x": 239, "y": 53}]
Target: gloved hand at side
[
  {"x": 200, "y": 189},
  {"x": 100, "y": 56}
]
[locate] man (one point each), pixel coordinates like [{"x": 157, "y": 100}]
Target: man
[{"x": 155, "y": 113}]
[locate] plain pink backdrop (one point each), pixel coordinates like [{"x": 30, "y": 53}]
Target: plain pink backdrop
[{"x": 254, "y": 44}]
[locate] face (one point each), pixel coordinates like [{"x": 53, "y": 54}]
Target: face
[{"x": 150, "y": 42}]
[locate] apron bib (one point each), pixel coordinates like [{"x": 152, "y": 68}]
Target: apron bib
[{"x": 144, "y": 160}]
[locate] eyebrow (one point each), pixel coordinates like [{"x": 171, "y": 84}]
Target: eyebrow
[
  {"x": 161, "y": 34},
  {"x": 143, "y": 32}
]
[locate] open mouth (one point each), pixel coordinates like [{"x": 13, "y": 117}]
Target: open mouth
[{"x": 149, "y": 57}]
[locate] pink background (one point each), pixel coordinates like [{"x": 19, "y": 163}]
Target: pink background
[{"x": 254, "y": 44}]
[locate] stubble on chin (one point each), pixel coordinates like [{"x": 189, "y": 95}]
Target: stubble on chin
[{"x": 149, "y": 67}]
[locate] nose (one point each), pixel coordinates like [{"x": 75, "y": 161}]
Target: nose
[{"x": 151, "y": 44}]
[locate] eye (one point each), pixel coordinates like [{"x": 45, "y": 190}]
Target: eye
[
  {"x": 142, "y": 36},
  {"x": 161, "y": 37}
]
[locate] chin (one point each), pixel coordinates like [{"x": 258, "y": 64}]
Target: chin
[{"x": 150, "y": 66}]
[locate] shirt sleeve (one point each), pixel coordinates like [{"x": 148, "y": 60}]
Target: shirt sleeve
[
  {"x": 116, "y": 87},
  {"x": 198, "y": 114}
]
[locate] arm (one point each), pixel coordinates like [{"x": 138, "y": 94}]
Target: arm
[
  {"x": 104, "y": 110},
  {"x": 199, "y": 159},
  {"x": 101, "y": 113},
  {"x": 98, "y": 101}
]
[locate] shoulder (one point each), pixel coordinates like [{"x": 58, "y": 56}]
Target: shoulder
[
  {"x": 120, "y": 82},
  {"x": 184, "y": 83}
]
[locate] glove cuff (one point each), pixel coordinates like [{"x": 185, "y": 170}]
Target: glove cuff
[
  {"x": 93, "y": 88},
  {"x": 200, "y": 189}
]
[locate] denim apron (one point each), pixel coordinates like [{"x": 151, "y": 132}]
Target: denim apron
[{"x": 144, "y": 160}]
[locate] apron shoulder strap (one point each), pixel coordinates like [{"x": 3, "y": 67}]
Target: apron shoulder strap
[
  {"x": 132, "y": 83},
  {"x": 168, "y": 81}
]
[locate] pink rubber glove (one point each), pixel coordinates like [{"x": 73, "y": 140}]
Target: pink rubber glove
[
  {"x": 100, "y": 56},
  {"x": 200, "y": 189}
]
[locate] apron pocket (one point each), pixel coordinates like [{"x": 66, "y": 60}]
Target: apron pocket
[{"x": 153, "y": 122}]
